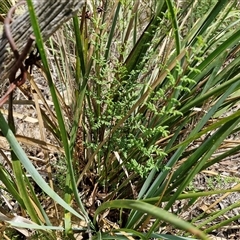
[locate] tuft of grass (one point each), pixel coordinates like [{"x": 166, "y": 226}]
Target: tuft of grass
[{"x": 140, "y": 100}]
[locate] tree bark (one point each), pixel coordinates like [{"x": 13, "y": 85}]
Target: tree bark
[{"x": 51, "y": 15}]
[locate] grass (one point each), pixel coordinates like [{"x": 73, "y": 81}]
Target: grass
[{"x": 142, "y": 116}]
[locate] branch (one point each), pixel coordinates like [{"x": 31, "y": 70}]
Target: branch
[{"x": 51, "y": 15}]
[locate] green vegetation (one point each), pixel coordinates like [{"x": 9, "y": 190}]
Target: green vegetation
[{"x": 138, "y": 113}]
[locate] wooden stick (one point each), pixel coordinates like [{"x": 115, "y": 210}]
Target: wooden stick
[{"x": 51, "y": 15}]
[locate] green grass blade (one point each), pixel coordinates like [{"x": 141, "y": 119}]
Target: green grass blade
[
  {"x": 135, "y": 57},
  {"x": 210, "y": 18},
  {"x": 204, "y": 152},
  {"x": 189, "y": 195},
  {"x": 175, "y": 27},
  {"x": 22, "y": 188},
  {"x": 31, "y": 169},
  {"x": 153, "y": 211},
  {"x": 110, "y": 36},
  {"x": 11, "y": 187},
  {"x": 71, "y": 184}
]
